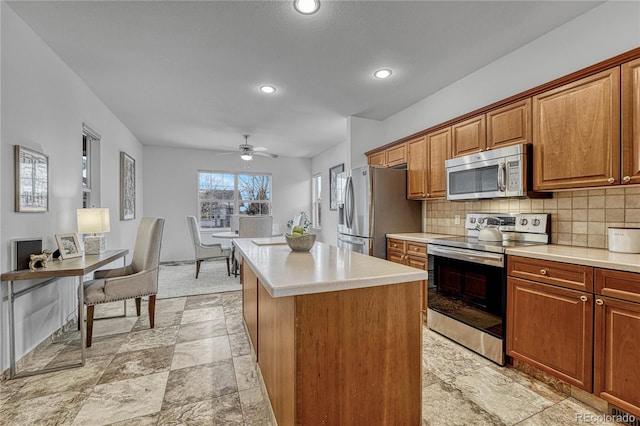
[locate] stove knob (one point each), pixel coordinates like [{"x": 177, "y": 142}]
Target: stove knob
[
  {"x": 481, "y": 220},
  {"x": 523, "y": 221},
  {"x": 472, "y": 220},
  {"x": 536, "y": 222}
]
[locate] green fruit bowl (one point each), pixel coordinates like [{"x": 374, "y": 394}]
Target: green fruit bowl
[{"x": 300, "y": 243}]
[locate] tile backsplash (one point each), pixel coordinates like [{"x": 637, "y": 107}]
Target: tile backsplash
[{"x": 578, "y": 218}]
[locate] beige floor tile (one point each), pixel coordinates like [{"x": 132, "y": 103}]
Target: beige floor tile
[
  {"x": 198, "y": 330},
  {"x": 567, "y": 412},
  {"x": 123, "y": 400},
  {"x": 202, "y": 351},
  {"x": 204, "y": 314},
  {"x": 151, "y": 338},
  {"x": 107, "y": 327},
  {"x": 246, "y": 372},
  {"x": 199, "y": 383},
  {"x": 255, "y": 408},
  {"x": 53, "y": 409},
  {"x": 444, "y": 405},
  {"x": 224, "y": 410},
  {"x": 128, "y": 365}
]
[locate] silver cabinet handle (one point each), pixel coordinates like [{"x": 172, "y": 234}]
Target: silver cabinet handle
[
  {"x": 611, "y": 180},
  {"x": 584, "y": 298},
  {"x": 626, "y": 179},
  {"x": 543, "y": 272},
  {"x": 599, "y": 302}
]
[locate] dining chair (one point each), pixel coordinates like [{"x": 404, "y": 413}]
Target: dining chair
[
  {"x": 134, "y": 281},
  {"x": 205, "y": 251},
  {"x": 255, "y": 226}
]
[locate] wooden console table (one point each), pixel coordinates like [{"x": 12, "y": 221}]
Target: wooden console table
[{"x": 75, "y": 267}]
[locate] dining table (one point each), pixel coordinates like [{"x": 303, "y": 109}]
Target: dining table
[{"x": 231, "y": 235}]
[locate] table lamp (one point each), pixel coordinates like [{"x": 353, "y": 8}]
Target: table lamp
[{"x": 93, "y": 221}]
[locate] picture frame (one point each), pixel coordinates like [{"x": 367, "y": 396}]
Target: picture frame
[
  {"x": 333, "y": 185},
  {"x": 31, "y": 180},
  {"x": 127, "y": 187},
  {"x": 22, "y": 249},
  {"x": 69, "y": 245}
]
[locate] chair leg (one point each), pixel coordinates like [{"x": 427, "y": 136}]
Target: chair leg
[
  {"x": 138, "y": 301},
  {"x": 152, "y": 310},
  {"x": 89, "y": 325},
  {"x": 228, "y": 268},
  {"x": 197, "y": 268}
]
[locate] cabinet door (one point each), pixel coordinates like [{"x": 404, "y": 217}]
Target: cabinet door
[
  {"x": 396, "y": 155},
  {"x": 631, "y": 122},
  {"x": 551, "y": 328},
  {"x": 510, "y": 125},
  {"x": 377, "y": 159},
  {"x": 250, "y": 304},
  {"x": 617, "y": 345},
  {"x": 420, "y": 263},
  {"x": 469, "y": 136},
  {"x": 576, "y": 133},
  {"x": 417, "y": 168},
  {"x": 439, "y": 150}
]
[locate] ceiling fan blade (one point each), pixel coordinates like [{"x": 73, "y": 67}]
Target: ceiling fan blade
[
  {"x": 265, "y": 154},
  {"x": 259, "y": 148},
  {"x": 227, "y": 153}
]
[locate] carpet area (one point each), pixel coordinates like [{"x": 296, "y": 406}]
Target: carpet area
[{"x": 177, "y": 280}]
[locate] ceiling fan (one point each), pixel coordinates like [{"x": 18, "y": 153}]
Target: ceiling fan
[{"x": 247, "y": 151}]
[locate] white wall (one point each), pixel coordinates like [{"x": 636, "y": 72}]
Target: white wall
[
  {"x": 363, "y": 134},
  {"x": 170, "y": 184},
  {"x": 599, "y": 34},
  {"x": 43, "y": 107},
  {"x": 321, "y": 163}
]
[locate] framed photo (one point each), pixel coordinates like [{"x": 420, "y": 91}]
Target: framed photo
[
  {"x": 22, "y": 249},
  {"x": 127, "y": 187},
  {"x": 69, "y": 245},
  {"x": 32, "y": 181},
  {"x": 333, "y": 185}
]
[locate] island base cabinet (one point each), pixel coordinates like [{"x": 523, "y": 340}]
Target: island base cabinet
[
  {"x": 349, "y": 357},
  {"x": 551, "y": 328},
  {"x": 250, "y": 304},
  {"x": 617, "y": 372}
]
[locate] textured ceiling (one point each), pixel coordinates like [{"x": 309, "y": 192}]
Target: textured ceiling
[{"x": 187, "y": 74}]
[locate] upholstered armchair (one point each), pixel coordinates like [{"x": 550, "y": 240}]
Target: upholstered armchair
[
  {"x": 255, "y": 226},
  {"x": 205, "y": 251},
  {"x": 134, "y": 281}
]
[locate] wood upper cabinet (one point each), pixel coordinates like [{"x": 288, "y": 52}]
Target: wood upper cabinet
[
  {"x": 631, "y": 122},
  {"x": 510, "y": 125},
  {"x": 438, "y": 150},
  {"x": 396, "y": 155},
  {"x": 377, "y": 159},
  {"x": 551, "y": 328},
  {"x": 417, "y": 168},
  {"x": 576, "y": 133},
  {"x": 469, "y": 136}
]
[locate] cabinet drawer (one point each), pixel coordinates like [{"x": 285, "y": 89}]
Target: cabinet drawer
[
  {"x": 417, "y": 249},
  {"x": 618, "y": 284},
  {"x": 417, "y": 262},
  {"x": 396, "y": 257},
  {"x": 396, "y": 245},
  {"x": 566, "y": 275}
]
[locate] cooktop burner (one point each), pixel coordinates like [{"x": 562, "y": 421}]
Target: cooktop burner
[{"x": 517, "y": 230}]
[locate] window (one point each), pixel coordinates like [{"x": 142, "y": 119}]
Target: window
[
  {"x": 90, "y": 167},
  {"x": 316, "y": 201},
  {"x": 222, "y": 195}
]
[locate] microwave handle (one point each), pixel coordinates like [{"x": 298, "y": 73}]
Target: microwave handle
[{"x": 502, "y": 177}]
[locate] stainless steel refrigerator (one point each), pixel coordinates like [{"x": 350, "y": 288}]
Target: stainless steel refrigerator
[{"x": 372, "y": 202}]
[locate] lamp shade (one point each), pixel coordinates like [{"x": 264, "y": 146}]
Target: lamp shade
[{"x": 93, "y": 221}]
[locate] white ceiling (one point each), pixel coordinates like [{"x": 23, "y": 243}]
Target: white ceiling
[{"x": 187, "y": 74}]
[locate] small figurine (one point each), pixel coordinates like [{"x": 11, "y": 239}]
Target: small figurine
[{"x": 42, "y": 257}]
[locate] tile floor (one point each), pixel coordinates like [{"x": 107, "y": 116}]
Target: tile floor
[{"x": 195, "y": 368}]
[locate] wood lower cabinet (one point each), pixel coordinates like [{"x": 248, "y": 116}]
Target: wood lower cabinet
[
  {"x": 576, "y": 133},
  {"x": 349, "y": 357},
  {"x": 412, "y": 254},
  {"x": 631, "y": 122},
  {"x": 250, "y": 303},
  {"x": 469, "y": 136},
  {"x": 551, "y": 328},
  {"x": 510, "y": 125},
  {"x": 617, "y": 339}
]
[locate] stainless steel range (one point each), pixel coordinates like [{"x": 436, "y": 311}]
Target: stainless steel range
[{"x": 467, "y": 278}]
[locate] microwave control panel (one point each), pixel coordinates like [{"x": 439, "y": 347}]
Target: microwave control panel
[{"x": 514, "y": 173}]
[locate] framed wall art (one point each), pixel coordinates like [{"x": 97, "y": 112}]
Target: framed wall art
[
  {"x": 333, "y": 185},
  {"x": 32, "y": 181},
  {"x": 69, "y": 245},
  {"x": 127, "y": 187}
]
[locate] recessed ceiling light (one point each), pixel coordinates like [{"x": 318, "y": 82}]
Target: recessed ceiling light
[
  {"x": 382, "y": 74},
  {"x": 306, "y": 7},
  {"x": 268, "y": 89}
]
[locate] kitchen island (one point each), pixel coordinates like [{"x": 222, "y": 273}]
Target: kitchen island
[{"x": 337, "y": 335}]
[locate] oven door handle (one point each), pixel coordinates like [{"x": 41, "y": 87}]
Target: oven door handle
[{"x": 483, "y": 258}]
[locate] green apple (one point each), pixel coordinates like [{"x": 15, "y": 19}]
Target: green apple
[{"x": 298, "y": 229}]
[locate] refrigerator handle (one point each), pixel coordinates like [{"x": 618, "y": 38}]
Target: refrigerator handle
[{"x": 349, "y": 202}]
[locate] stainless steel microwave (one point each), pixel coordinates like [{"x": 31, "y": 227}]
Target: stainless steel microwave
[{"x": 497, "y": 173}]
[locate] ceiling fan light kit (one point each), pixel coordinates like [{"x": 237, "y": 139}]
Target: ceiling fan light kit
[{"x": 247, "y": 151}]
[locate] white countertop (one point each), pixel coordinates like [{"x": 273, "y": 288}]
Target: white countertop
[
  {"x": 325, "y": 268},
  {"x": 600, "y": 258},
  {"x": 418, "y": 237}
]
